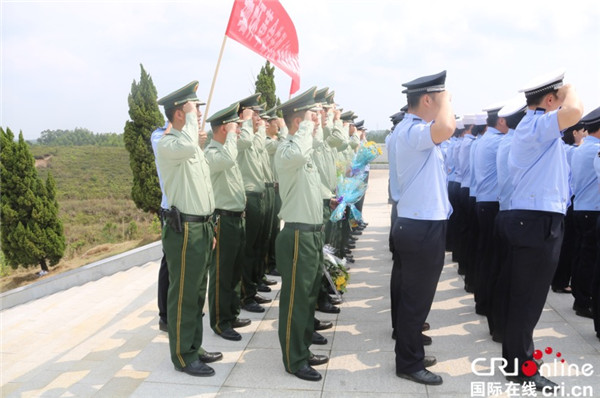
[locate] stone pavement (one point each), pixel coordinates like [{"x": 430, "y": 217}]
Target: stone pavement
[{"x": 102, "y": 339}]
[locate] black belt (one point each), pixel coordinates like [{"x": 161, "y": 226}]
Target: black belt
[
  {"x": 230, "y": 213},
  {"x": 269, "y": 184},
  {"x": 304, "y": 227},
  {"x": 191, "y": 218},
  {"x": 257, "y": 194}
]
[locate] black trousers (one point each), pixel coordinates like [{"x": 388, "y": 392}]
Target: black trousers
[
  {"x": 393, "y": 216},
  {"x": 163, "y": 283},
  {"x": 596, "y": 283},
  {"x": 462, "y": 231},
  {"x": 534, "y": 239},
  {"x": 585, "y": 257},
  {"x": 418, "y": 262},
  {"x": 498, "y": 281},
  {"x": 562, "y": 276},
  {"x": 486, "y": 215},
  {"x": 451, "y": 236}
]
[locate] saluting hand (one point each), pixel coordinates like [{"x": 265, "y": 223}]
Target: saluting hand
[{"x": 247, "y": 114}]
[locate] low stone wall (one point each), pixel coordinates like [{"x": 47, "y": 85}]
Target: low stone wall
[{"x": 82, "y": 275}]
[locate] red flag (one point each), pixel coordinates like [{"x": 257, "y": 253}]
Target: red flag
[{"x": 265, "y": 27}]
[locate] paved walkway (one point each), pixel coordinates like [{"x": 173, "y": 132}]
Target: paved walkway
[{"x": 102, "y": 339}]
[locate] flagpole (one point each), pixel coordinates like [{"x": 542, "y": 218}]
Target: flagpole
[{"x": 212, "y": 86}]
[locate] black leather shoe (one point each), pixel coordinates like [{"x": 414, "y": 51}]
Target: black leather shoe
[
  {"x": 583, "y": 311},
  {"x": 540, "y": 381},
  {"x": 316, "y": 360},
  {"x": 566, "y": 289},
  {"x": 318, "y": 339},
  {"x": 230, "y": 334},
  {"x": 350, "y": 260},
  {"x": 422, "y": 377},
  {"x": 209, "y": 357},
  {"x": 240, "y": 323},
  {"x": 323, "y": 325},
  {"x": 429, "y": 361},
  {"x": 308, "y": 373},
  {"x": 263, "y": 288},
  {"x": 197, "y": 368},
  {"x": 262, "y": 299},
  {"x": 274, "y": 272},
  {"x": 253, "y": 306},
  {"x": 394, "y": 334},
  {"x": 356, "y": 233},
  {"x": 352, "y": 239},
  {"x": 269, "y": 282},
  {"x": 497, "y": 338},
  {"x": 426, "y": 339},
  {"x": 163, "y": 326},
  {"x": 335, "y": 300},
  {"x": 351, "y": 246},
  {"x": 328, "y": 308},
  {"x": 425, "y": 327}
]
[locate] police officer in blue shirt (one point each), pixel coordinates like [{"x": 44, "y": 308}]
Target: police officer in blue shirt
[
  {"x": 534, "y": 223},
  {"x": 512, "y": 113},
  {"x": 586, "y": 210},
  {"x": 486, "y": 196},
  {"x": 453, "y": 186},
  {"x": 423, "y": 208}
]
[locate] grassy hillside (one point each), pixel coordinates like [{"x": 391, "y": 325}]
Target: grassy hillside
[{"x": 94, "y": 195}]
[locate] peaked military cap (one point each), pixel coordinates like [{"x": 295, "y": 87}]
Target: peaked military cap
[
  {"x": 329, "y": 98},
  {"x": 426, "y": 84},
  {"x": 592, "y": 119},
  {"x": 459, "y": 123},
  {"x": 397, "y": 117},
  {"x": 251, "y": 102},
  {"x": 494, "y": 108},
  {"x": 227, "y": 115},
  {"x": 348, "y": 116},
  {"x": 545, "y": 83},
  {"x": 321, "y": 96},
  {"x": 301, "y": 102},
  {"x": 359, "y": 124},
  {"x": 469, "y": 119},
  {"x": 270, "y": 114},
  {"x": 404, "y": 108},
  {"x": 513, "y": 106},
  {"x": 480, "y": 119},
  {"x": 179, "y": 97}
]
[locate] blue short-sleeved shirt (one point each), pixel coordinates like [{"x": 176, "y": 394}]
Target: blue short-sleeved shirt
[
  {"x": 391, "y": 148},
  {"x": 154, "y": 138},
  {"x": 504, "y": 181},
  {"x": 585, "y": 181},
  {"x": 538, "y": 165},
  {"x": 484, "y": 166},
  {"x": 472, "y": 187},
  {"x": 421, "y": 178},
  {"x": 450, "y": 159},
  {"x": 464, "y": 153},
  {"x": 455, "y": 150}
]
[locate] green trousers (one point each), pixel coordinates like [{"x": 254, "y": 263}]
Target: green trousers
[
  {"x": 266, "y": 232},
  {"x": 255, "y": 215},
  {"x": 225, "y": 272},
  {"x": 299, "y": 257},
  {"x": 275, "y": 228},
  {"x": 188, "y": 255}
]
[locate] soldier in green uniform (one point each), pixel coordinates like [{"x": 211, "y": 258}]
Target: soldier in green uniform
[
  {"x": 230, "y": 202},
  {"x": 272, "y": 141},
  {"x": 187, "y": 235},
  {"x": 300, "y": 242},
  {"x": 251, "y": 166}
]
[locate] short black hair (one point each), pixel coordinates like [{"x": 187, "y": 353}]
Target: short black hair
[
  {"x": 513, "y": 121},
  {"x": 215, "y": 126},
  {"x": 289, "y": 118},
  {"x": 592, "y": 128},
  {"x": 568, "y": 136},
  {"x": 478, "y": 129},
  {"x": 536, "y": 99},
  {"x": 492, "y": 119},
  {"x": 169, "y": 113},
  {"x": 413, "y": 99}
]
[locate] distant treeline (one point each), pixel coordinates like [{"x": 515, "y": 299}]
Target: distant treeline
[
  {"x": 79, "y": 137},
  {"x": 377, "y": 135}
]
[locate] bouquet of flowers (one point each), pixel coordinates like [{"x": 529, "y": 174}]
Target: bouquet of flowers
[
  {"x": 349, "y": 191},
  {"x": 367, "y": 152},
  {"x": 335, "y": 270}
]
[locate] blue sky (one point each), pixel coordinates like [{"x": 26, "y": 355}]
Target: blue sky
[{"x": 71, "y": 64}]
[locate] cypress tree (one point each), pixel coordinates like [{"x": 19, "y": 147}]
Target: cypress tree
[
  {"x": 32, "y": 233},
  {"x": 145, "y": 118},
  {"x": 265, "y": 84}
]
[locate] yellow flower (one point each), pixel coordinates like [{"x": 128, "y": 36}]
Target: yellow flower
[{"x": 340, "y": 282}]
